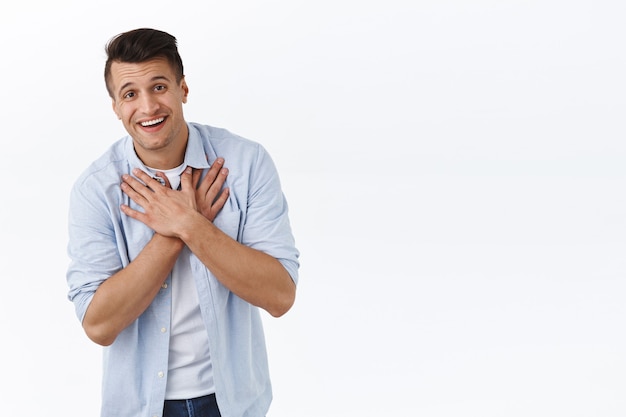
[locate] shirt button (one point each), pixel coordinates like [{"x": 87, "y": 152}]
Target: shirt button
[
  {"x": 161, "y": 374},
  {"x": 164, "y": 286},
  {"x": 163, "y": 329}
]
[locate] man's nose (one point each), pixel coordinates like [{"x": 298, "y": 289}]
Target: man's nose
[{"x": 148, "y": 104}]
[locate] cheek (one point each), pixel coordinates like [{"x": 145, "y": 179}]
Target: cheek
[
  {"x": 118, "y": 111},
  {"x": 123, "y": 113}
]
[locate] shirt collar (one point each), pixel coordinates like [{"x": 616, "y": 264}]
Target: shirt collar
[{"x": 195, "y": 155}]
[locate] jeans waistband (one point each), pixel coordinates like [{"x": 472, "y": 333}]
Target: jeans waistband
[{"x": 193, "y": 407}]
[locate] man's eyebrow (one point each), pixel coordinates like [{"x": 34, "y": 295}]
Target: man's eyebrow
[{"x": 153, "y": 79}]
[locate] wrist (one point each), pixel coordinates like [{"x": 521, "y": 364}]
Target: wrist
[
  {"x": 195, "y": 224},
  {"x": 173, "y": 242}
]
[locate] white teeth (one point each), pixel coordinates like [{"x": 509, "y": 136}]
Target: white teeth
[{"x": 152, "y": 122}]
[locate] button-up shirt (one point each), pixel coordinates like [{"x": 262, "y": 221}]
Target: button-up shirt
[{"x": 102, "y": 241}]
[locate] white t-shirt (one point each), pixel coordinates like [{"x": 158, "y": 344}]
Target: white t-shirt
[{"x": 190, "y": 373}]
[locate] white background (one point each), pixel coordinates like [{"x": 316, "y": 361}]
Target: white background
[{"x": 455, "y": 172}]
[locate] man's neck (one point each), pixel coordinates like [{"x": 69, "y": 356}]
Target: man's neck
[
  {"x": 162, "y": 160},
  {"x": 166, "y": 158}
]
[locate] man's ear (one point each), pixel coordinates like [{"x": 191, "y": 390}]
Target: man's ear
[
  {"x": 115, "y": 109},
  {"x": 183, "y": 85}
]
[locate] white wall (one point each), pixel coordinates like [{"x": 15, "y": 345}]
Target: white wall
[{"x": 456, "y": 176}]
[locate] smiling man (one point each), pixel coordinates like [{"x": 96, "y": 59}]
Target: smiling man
[{"x": 173, "y": 254}]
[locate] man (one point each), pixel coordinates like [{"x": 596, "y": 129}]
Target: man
[{"x": 172, "y": 253}]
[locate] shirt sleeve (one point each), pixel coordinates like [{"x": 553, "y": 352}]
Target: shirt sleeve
[
  {"x": 93, "y": 249},
  {"x": 267, "y": 227}
]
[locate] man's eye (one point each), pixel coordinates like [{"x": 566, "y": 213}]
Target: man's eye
[
  {"x": 130, "y": 94},
  {"x": 159, "y": 88}
]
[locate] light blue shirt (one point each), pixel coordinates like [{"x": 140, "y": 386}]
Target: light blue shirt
[{"x": 102, "y": 241}]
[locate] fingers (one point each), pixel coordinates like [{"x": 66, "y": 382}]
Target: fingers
[
  {"x": 145, "y": 181},
  {"x": 211, "y": 175},
  {"x": 134, "y": 189},
  {"x": 141, "y": 191},
  {"x": 217, "y": 184},
  {"x": 137, "y": 215},
  {"x": 219, "y": 203},
  {"x": 209, "y": 196},
  {"x": 186, "y": 179}
]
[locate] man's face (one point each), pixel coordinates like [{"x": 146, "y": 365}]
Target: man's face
[{"x": 149, "y": 101}]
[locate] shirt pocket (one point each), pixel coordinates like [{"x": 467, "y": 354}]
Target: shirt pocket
[{"x": 229, "y": 223}]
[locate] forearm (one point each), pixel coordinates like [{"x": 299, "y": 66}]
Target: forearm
[
  {"x": 253, "y": 275},
  {"x": 125, "y": 295}
]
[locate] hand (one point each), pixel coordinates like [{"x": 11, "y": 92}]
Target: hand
[
  {"x": 210, "y": 198},
  {"x": 166, "y": 211}
]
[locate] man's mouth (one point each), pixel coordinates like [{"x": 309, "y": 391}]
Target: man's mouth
[{"x": 154, "y": 122}]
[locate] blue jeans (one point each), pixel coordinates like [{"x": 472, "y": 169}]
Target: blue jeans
[{"x": 196, "y": 407}]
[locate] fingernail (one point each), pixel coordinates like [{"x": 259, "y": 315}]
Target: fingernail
[
  {"x": 220, "y": 160},
  {"x": 188, "y": 170}
]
